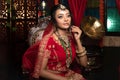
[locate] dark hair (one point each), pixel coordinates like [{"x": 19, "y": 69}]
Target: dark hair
[{"x": 56, "y": 7}]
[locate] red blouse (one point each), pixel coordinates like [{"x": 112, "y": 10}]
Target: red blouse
[{"x": 57, "y": 58}]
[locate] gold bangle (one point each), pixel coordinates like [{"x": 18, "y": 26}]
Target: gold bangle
[
  {"x": 70, "y": 78},
  {"x": 80, "y": 52}
]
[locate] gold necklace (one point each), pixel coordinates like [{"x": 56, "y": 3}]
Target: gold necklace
[{"x": 67, "y": 48}]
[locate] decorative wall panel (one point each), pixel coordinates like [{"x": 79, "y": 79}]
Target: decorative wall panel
[
  {"x": 3, "y": 21},
  {"x": 31, "y": 9},
  {"x": 3, "y": 9},
  {"x": 19, "y": 30},
  {"x": 17, "y": 16},
  {"x": 3, "y": 32},
  {"x": 25, "y": 14},
  {"x": 19, "y": 9}
]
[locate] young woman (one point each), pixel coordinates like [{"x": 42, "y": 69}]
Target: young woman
[{"x": 58, "y": 48}]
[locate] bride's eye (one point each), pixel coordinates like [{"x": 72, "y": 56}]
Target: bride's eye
[
  {"x": 69, "y": 15},
  {"x": 59, "y": 16}
]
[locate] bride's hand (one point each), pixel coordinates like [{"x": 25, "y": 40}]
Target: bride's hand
[
  {"x": 77, "y": 77},
  {"x": 76, "y": 32}
]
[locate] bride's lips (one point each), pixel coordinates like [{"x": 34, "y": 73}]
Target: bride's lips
[{"x": 66, "y": 24}]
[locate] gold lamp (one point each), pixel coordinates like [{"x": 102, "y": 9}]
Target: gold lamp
[
  {"x": 43, "y": 7},
  {"x": 92, "y": 27}
]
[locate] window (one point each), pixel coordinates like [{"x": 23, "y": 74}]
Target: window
[{"x": 112, "y": 18}]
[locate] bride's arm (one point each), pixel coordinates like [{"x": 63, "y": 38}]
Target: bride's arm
[
  {"x": 49, "y": 75},
  {"x": 81, "y": 52}
]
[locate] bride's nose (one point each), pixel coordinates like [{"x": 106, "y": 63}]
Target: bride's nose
[{"x": 65, "y": 19}]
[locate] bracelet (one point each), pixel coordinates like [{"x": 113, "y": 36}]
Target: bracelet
[
  {"x": 70, "y": 78},
  {"x": 80, "y": 52}
]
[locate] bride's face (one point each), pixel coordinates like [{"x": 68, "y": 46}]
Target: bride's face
[{"x": 63, "y": 18}]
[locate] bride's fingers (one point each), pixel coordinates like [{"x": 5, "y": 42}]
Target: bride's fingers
[{"x": 76, "y": 29}]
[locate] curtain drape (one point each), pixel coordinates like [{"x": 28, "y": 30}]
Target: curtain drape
[
  {"x": 77, "y": 8},
  {"x": 56, "y": 2},
  {"x": 118, "y": 5},
  {"x": 101, "y": 10}
]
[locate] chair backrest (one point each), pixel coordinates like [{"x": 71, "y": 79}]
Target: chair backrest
[{"x": 36, "y": 32}]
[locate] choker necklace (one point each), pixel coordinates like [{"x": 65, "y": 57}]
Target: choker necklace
[{"x": 65, "y": 42}]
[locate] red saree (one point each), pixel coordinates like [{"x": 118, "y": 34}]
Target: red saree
[{"x": 48, "y": 48}]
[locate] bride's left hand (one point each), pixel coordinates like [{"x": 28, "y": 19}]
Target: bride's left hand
[{"x": 76, "y": 32}]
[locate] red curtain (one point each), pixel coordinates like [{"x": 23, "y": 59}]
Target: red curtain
[
  {"x": 101, "y": 10},
  {"x": 77, "y": 8},
  {"x": 56, "y": 2},
  {"x": 118, "y": 5}
]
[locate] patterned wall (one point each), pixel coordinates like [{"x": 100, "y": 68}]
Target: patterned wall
[
  {"x": 17, "y": 17},
  {"x": 3, "y": 21}
]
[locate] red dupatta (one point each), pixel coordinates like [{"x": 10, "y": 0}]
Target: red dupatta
[{"x": 31, "y": 58}]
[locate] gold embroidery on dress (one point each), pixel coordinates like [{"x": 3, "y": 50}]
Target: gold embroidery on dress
[{"x": 41, "y": 50}]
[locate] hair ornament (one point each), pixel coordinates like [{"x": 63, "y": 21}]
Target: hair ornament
[{"x": 62, "y": 6}]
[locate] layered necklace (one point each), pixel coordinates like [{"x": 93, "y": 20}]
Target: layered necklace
[{"x": 65, "y": 42}]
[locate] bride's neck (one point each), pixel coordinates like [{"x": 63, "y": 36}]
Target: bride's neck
[{"x": 62, "y": 32}]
